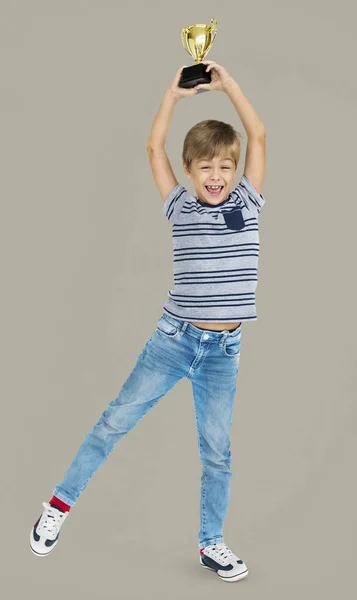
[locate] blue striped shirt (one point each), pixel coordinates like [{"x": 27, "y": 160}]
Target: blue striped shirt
[{"x": 215, "y": 252}]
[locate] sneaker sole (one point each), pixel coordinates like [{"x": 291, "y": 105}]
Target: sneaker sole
[{"x": 39, "y": 553}]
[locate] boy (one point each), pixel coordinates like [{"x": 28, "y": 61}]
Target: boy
[{"x": 216, "y": 247}]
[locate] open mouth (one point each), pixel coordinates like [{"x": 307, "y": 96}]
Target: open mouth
[{"x": 214, "y": 191}]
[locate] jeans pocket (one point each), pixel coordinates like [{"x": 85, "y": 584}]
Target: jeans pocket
[
  {"x": 231, "y": 346},
  {"x": 166, "y": 329}
]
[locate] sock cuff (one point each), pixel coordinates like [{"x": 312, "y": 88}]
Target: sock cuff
[{"x": 59, "y": 504}]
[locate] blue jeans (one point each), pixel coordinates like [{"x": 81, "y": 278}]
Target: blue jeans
[{"x": 175, "y": 350}]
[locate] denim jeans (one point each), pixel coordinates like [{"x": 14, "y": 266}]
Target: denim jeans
[{"x": 175, "y": 350}]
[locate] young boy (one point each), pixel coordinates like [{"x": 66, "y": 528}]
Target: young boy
[{"x": 216, "y": 247}]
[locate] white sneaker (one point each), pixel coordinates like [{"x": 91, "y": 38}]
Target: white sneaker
[
  {"x": 45, "y": 532},
  {"x": 219, "y": 558}
]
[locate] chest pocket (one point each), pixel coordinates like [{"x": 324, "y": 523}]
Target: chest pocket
[{"x": 234, "y": 219}]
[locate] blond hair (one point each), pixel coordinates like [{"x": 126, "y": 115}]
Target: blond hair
[{"x": 211, "y": 138}]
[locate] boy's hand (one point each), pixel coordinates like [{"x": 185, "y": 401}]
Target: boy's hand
[
  {"x": 177, "y": 91},
  {"x": 220, "y": 77}
]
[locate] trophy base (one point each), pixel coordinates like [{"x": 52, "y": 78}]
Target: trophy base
[{"x": 194, "y": 75}]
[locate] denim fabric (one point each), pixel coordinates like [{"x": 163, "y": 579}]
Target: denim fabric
[{"x": 175, "y": 350}]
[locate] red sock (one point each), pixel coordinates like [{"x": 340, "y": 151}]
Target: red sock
[{"x": 59, "y": 504}]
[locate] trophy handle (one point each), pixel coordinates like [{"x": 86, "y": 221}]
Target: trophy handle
[
  {"x": 214, "y": 33},
  {"x": 183, "y": 39}
]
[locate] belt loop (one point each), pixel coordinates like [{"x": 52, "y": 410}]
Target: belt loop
[
  {"x": 183, "y": 328},
  {"x": 223, "y": 338}
]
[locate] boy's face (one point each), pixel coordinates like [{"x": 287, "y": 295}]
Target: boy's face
[{"x": 221, "y": 171}]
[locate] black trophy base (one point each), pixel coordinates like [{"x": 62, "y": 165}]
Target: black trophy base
[{"x": 194, "y": 75}]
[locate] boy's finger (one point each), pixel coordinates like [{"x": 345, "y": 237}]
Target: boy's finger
[{"x": 179, "y": 72}]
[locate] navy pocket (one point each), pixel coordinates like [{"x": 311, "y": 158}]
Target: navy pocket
[{"x": 234, "y": 219}]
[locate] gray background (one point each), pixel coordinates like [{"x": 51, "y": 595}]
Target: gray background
[{"x": 81, "y": 83}]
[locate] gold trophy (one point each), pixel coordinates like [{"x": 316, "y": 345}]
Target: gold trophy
[{"x": 197, "y": 41}]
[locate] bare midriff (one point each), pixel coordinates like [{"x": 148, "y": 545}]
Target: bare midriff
[{"x": 217, "y": 326}]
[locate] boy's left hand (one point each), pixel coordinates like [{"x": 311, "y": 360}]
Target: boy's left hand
[{"x": 220, "y": 77}]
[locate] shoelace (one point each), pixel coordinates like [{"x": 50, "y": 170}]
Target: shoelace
[
  {"x": 224, "y": 553},
  {"x": 50, "y": 522}
]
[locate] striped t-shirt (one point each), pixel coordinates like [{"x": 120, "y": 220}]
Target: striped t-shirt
[{"x": 216, "y": 251}]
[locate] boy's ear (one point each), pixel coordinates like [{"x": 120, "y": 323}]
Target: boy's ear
[{"x": 186, "y": 171}]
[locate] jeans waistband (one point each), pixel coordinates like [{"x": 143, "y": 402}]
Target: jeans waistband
[{"x": 205, "y": 334}]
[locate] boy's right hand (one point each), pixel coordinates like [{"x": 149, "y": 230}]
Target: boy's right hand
[{"x": 179, "y": 92}]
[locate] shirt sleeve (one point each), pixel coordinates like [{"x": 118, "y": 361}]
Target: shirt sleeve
[
  {"x": 174, "y": 202},
  {"x": 246, "y": 192}
]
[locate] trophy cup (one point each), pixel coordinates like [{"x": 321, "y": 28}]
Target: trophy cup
[{"x": 197, "y": 41}]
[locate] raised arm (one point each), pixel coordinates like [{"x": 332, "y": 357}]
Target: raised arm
[
  {"x": 160, "y": 165},
  {"x": 255, "y": 158},
  {"x": 254, "y": 168},
  {"x": 159, "y": 162}
]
